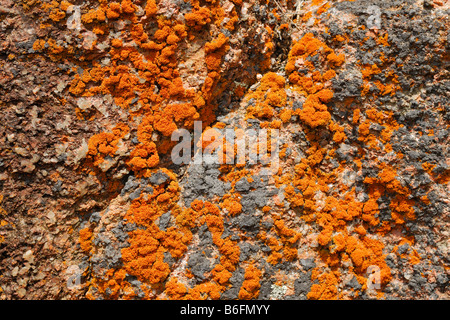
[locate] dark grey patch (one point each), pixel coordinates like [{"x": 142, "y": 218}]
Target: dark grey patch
[
  {"x": 403, "y": 248},
  {"x": 135, "y": 194},
  {"x": 242, "y": 185},
  {"x": 442, "y": 279},
  {"x": 247, "y": 250},
  {"x": 255, "y": 199},
  {"x": 95, "y": 217},
  {"x": 164, "y": 221},
  {"x": 168, "y": 259},
  {"x": 267, "y": 224},
  {"x": 307, "y": 263},
  {"x": 236, "y": 281},
  {"x": 265, "y": 290},
  {"x": 249, "y": 223},
  {"x": 302, "y": 285},
  {"x": 204, "y": 235},
  {"x": 199, "y": 264},
  {"x": 158, "y": 178},
  {"x": 203, "y": 182},
  {"x": 130, "y": 185},
  {"x": 353, "y": 283}
]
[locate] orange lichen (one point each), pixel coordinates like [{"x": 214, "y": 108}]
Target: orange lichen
[
  {"x": 39, "y": 45},
  {"x": 93, "y": 15},
  {"x": 114, "y": 10},
  {"x": 269, "y": 94},
  {"x": 144, "y": 157},
  {"x": 85, "y": 240},
  {"x": 117, "y": 43},
  {"x": 151, "y": 8},
  {"x": 221, "y": 275},
  {"x": 250, "y": 286},
  {"x": 327, "y": 287},
  {"x": 144, "y": 258},
  {"x": 314, "y": 113},
  {"x": 198, "y": 18},
  {"x": 57, "y": 15},
  {"x": 105, "y": 144},
  {"x": 336, "y": 60},
  {"x": 145, "y": 79},
  {"x": 233, "y": 206},
  {"x": 174, "y": 289},
  {"x": 214, "y": 51},
  {"x": 2, "y": 211}
]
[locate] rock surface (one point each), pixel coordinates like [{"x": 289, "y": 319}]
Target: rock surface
[{"x": 93, "y": 207}]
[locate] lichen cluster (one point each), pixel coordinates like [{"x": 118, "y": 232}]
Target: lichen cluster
[{"x": 343, "y": 191}]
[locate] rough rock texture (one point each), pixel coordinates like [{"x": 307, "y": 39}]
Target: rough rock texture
[{"x": 92, "y": 206}]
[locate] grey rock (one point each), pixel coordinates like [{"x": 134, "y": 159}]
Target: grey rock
[{"x": 307, "y": 264}]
